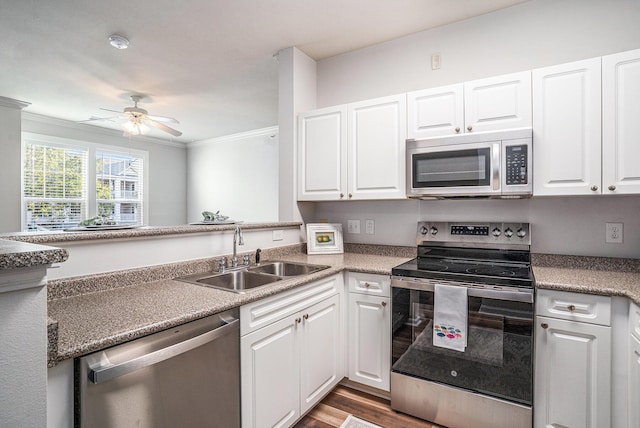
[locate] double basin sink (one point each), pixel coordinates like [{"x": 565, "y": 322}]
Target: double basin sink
[{"x": 248, "y": 278}]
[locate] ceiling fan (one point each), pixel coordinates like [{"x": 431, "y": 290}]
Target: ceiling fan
[{"x": 137, "y": 120}]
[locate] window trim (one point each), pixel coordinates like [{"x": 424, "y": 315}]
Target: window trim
[{"x": 92, "y": 148}]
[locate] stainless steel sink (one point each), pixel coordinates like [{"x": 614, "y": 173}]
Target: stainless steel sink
[
  {"x": 237, "y": 281},
  {"x": 287, "y": 268}
]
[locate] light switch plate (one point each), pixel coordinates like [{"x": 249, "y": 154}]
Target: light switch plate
[
  {"x": 369, "y": 227},
  {"x": 277, "y": 235}
]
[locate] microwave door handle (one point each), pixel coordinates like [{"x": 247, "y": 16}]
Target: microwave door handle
[{"x": 495, "y": 165}]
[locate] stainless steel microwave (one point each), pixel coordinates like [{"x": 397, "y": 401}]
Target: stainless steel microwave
[{"x": 489, "y": 164}]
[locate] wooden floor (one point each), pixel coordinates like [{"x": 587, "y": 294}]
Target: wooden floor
[{"x": 343, "y": 401}]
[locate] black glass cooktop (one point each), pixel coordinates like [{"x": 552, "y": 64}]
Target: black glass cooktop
[{"x": 511, "y": 268}]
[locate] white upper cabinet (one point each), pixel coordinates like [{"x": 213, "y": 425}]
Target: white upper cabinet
[
  {"x": 355, "y": 151},
  {"x": 435, "y": 112},
  {"x": 322, "y": 157},
  {"x": 567, "y": 131},
  {"x": 621, "y": 123},
  {"x": 376, "y": 149},
  {"x": 501, "y": 102}
]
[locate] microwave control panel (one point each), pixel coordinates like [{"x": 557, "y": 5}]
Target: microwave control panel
[{"x": 516, "y": 171}]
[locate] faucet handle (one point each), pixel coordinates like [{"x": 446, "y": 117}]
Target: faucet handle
[
  {"x": 222, "y": 264},
  {"x": 245, "y": 259}
]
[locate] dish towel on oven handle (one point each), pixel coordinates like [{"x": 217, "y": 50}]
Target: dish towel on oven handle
[{"x": 450, "y": 317}]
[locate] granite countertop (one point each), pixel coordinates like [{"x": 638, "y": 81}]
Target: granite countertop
[
  {"x": 137, "y": 232},
  {"x": 90, "y": 322},
  {"x": 589, "y": 275},
  {"x": 14, "y": 255}
]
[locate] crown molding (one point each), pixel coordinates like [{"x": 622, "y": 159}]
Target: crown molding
[
  {"x": 272, "y": 130},
  {"x": 11, "y": 103}
]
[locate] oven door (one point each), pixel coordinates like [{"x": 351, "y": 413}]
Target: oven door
[
  {"x": 498, "y": 358},
  {"x": 456, "y": 170}
]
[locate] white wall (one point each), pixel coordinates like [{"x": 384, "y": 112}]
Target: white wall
[
  {"x": 10, "y": 168},
  {"x": 167, "y": 163},
  {"x": 236, "y": 175},
  {"x": 533, "y": 34}
]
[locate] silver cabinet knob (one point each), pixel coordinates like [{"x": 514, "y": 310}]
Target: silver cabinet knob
[
  {"x": 469, "y": 128},
  {"x": 350, "y": 195},
  {"x": 571, "y": 307},
  {"x": 544, "y": 325},
  {"x": 457, "y": 129},
  {"x": 341, "y": 195},
  {"x": 367, "y": 285},
  {"x": 384, "y": 304},
  {"x": 612, "y": 187},
  {"x": 594, "y": 188}
]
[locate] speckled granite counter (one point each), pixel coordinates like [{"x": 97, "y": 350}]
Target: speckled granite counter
[
  {"x": 15, "y": 255},
  {"x": 139, "y": 232},
  {"x": 89, "y": 322},
  {"x": 590, "y": 275}
]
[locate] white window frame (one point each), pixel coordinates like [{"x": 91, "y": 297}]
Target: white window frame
[{"x": 92, "y": 148}]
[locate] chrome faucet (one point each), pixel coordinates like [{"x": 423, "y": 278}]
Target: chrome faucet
[{"x": 237, "y": 240}]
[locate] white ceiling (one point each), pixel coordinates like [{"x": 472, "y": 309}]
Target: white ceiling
[{"x": 208, "y": 63}]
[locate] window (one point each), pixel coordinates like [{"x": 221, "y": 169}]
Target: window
[{"x": 57, "y": 191}]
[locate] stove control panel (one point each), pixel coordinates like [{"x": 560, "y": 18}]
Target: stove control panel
[{"x": 491, "y": 233}]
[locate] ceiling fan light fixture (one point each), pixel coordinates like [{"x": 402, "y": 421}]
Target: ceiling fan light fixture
[
  {"x": 134, "y": 127},
  {"x": 118, "y": 41}
]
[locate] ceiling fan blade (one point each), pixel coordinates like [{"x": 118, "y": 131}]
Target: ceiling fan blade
[
  {"x": 112, "y": 111},
  {"x": 95, "y": 119},
  {"x": 162, "y": 127},
  {"x": 163, "y": 119}
]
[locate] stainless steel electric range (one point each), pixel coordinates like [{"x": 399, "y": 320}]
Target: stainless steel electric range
[{"x": 487, "y": 380}]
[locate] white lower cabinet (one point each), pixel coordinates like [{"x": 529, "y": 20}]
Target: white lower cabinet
[
  {"x": 289, "y": 364},
  {"x": 572, "y": 362},
  {"x": 633, "y": 409},
  {"x": 369, "y": 328}
]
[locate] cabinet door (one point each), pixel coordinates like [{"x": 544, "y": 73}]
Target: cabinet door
[
  {"x": 369, "y": 340},
  {"x": 321, "y": 356},
  {"x": 572, "y": 374},
  {"x": 634, "y": 382},
  {"x": 376, "y": 154},
  {"x": 620, "y": 124},
  {"x": 322, "y": 156},
  {"x": 435, "y": 112},
  {"x": 270, "y": 375},
  {"x": 500, "y": 102},
  {"x": 567, "y": 129}
]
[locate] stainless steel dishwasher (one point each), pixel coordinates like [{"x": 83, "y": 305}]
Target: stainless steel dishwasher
[{"x": 186, "y": 376}]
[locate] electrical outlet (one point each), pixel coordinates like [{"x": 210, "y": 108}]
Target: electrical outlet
[
  {"x": 353, "y": 226},
  {"x": 369, "y": 227},
  {"x": 277, "y": 235},
  {"x": 614, "y": 233}
]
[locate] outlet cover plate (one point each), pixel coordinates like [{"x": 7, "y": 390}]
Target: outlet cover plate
[
  {"x": 614, "y": 233},
  {"x": 353, "y": 226}
]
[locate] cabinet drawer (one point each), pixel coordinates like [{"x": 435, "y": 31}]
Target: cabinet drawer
[
  {"x": 263, "y": 312},
  {"x": 587, "y": 308},
  {"x": 634, "y": 320},
  {"x": 367, "y": 283}
]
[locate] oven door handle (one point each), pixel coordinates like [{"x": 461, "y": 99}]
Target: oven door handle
[{"x": 513, "y": 294}]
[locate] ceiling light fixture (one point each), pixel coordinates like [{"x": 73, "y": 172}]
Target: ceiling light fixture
[
  {"x": 134, "y": 127},
  {"x": 118, "y": 42}
]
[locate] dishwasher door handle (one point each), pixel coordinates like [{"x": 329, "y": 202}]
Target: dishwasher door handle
[{"x": 106, "y": 371}]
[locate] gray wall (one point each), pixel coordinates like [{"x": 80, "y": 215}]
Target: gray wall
[
  {"x": 534, "y": 34},
  {"x": 10, "y": 170},
  {"x": 236, "y": 175}
]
